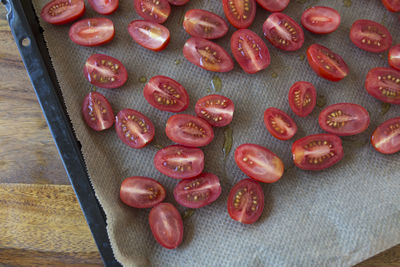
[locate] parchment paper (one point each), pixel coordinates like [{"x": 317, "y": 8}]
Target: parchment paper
[{"x": 336, "y": 217}]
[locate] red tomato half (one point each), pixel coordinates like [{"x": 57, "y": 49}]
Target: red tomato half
[
  {"x": 166, "y": 94},
  {"x": 92, "y": 32},
  {"x": 166, "y": 225},
  {"x": 326, "y": 64},
  {"x": 273, "y": 5},
  {"x": 344, "y": 119},
  {"x": 394, "y": 56},
  {"x": 246, "y": 201},
  {"x": 62, "y": 11},
  {"x": 259, "y": 163},
  {"x": 279, "y": 124},
  {"x": 134, "y": 128},
  {"x": 151, "y": 10},
  {"x": 189, "y": 130},
  {"x": 240, "y": 13},
  {"x": 302, "y": 98},
  {"x": 105, "y": 71},
  {"x": 178, "y": 2},
  {"x": 392, "y": 5},
  {"x": 141, "y": 192},
  {"x": 386, "y": 138},
  {"x": 250, "y": 51},
  {"x": 97, "y": 112},
  {"x": 207, "y": 55},
  {"x": 149, "y": 34},
  {"x": 217, "y": 110},
  {"x": 104, "y": 7},
  {"x": 321, "y": 19},
  {"x": 204, "y": 24},
  {"x": 283, "y": 32},
  {"x": 198, "y": 192},
  {"x": 370, "y": 36},
  {"x": 317, "y": 152},
  {"x": 384, "y": 84},
  {"x": 179, "y": 162}
]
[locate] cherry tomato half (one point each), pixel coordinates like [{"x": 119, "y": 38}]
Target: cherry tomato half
[
  {"x": 62, "y": 11},
  {"x": 246, "y": 201},
  {"x": 217, "y": 110},
  {"x": 207, "y": 55},
  {"x": 326, "y": 64},
  {"x": 105, "y": 71},
  {"x": 179, "y": 162},
  {"x": 134, "y": 128},
  {"x": 384, "y": 84},
  {"x": 240, "y": 13},
  {"x": 302, "y": 98},
  {"x": 259, "y": 163},
  {"x": 166, "y": 225},
  {"x": 104, "y": 7},
  {"x": 151, "y": 10},
  {"x": 92, "y": 32},
  {"x": 178, "y": 2},
  {"x": 273, "y": 5},
  {"x": 97, "y": 112},
  {"x": 166, "y": 94},
  {"x": 198, "y": 192},
  {"x": 149, "y": 34},
  {"x": 394, "y": 56},
  {"x": 392, "y": 5},
  {"x": 283, "y": 32},
  {"x": 344, "y": 119},
  {"x": 317, "y": 152},
  {"x": 141, "y": 192},
  {"x": 250, "y": 51},
  {"x": 370, "y": 36},
  {"x": 204, "y": 24},
  {"x": 279, "y": 124},
  {"x": 386, "y": 138},
  {"x": 189, "y": 130},
  {"x": 320, "y": 19}
]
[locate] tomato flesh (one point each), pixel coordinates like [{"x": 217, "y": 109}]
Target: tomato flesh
[
  {"x": 392, "y": 5},
  {"x": 259, "y": 163},
  {"x": 279, "y": 124},
  {"x": 320, "y": 19},
  {"x": 204, "y": 24},
  {"x": 97, "y": 112},
  {"x": 246, "y": 201},
  {"x": 240, "y": 13},
  {"x": 178, "y": 2},
  {"x": 198, "y": 192},
  {"x": 217, "y": 110},
  {"x": 394, "y": 57},
  {"x": 104, "y": 7},
  {"x": 384, "y": 84},
  {"x": 273, "y": 5},
  {"x": 302, "y": 98},
  {"x": 370, "y": 36},
  {"x": 60, "y": 12},
  {"x": 151, "y": 10},
  {"x": 386, "y": 138},
  {"x": 149, "y": 34},
  {"x": 92, "y": 32},
  {"x": 141, "y": 192}
]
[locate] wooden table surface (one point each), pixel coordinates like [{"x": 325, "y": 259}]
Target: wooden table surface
[{"x": 41, "y": 222}]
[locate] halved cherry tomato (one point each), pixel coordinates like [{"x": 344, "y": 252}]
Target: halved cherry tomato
[
  {"x": 149, "y": 34},
  {"x": 62, "y": 11},
  {"x": 104, "y": 7},
  {"x": 326, "y": 64},
  {"x": 273, "y": 5},
  {"x": 141, "y": 192},
  {"x": 370, "y": 36},
  {"x": 217, "y": 110},
  {"x": 189, "y": 130},
  {"x": 386, "y": 138},
  {"x": 155, "y": 11},
  {"x": 392, "y": 5},
  {"x": 259, "y": 163},
  {"x": 279, "y": 124},
  {"x": 204, "y": 24},
  {"x": 198, "y": 192},
  {"x": 302, "y": 98},
  {"x": 384, "y": 84},
  {"x": 179, "y": 162},
  {"x": 250, "y": 51},
  {"x": 178, "y": 2},
  {"x": 134, "y": 128},
  {"x": 246, "y": 201},
  {"x": 394, "y": 56},
  {"x": 166, "y": 94},
  {"x": 317, "y": 152},
  {"x": 97, "y": 112},
  {"x": 320, "y": 19},
  {"x": 166, "y": 225},
  {"x": 283, "y": 32},
  {"x": 92, "y": 32},
  {"x": 207, "y": 55},
  {"x": 105, "y": 71},
  {"x": 344, "y": 119},
  {"x": 240, "y": 13}
]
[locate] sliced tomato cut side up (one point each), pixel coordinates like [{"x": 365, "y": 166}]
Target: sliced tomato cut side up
[
  {"x": 273, "y": 5},
  {"x": 155, "y": 11},
  {"x": 384, "y": 84},
  {"x": 217, "y": 110},
  {"x": 279, "y": 124},
  {"x": 141, "y": 192},
  {"x": 97, "y": 112},
  {"x": 240, "y": 13},
  {"x": 394, "y": 57},
  {"x": 386, "y": 138},
  {"x": 204, "y": 24},
  {"x": 302, "y": 98},
  {"x": 104, "y": 7},
  {"x": 149, "y": 34},
  {"x": 320, "y": 19},
  {"x": 60, "y": 12},
  {"x": 92, "y": 32},
  {"x": 370, "y": 36},
  {"x": 392, "y": 5},
  {"x": 178, "y": 2}
]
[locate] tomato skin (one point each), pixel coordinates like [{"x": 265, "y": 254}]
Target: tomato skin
[
  {"x": 166, "y": 225},
  {"x": 217, "y": 110},
  {"x": 141, "y": 192},
  {"x": 384, "y": 84},
  {"x": 273, "y": 5},
  {"x": 252, "y": 209},
  {"x": 302, "y": 98},
  {"x": 394, "y": 57},
  {"x": 159, "y": 10},
  {"x": 188, "y": 130},
  {"x": 104, "y": 7},
  {"x": 321, "y": 19},
  {"x": 178, "y": 2},
  {"x": 246, "y": 17},
  {"x": 74, "y": 12},
  {"x": 279, "y": 124},
  {"x": 386, "y": 138},
  {"x": 97, "y": 112},
  {"x": 194, "y": 22},
  {"x": 78, "y": 33},
  {"x": 198, "y": 192},
  {"x": 392, "y": 5},
  {"x": 149, "y": 34},
  {"x": 362, "y": 29}
]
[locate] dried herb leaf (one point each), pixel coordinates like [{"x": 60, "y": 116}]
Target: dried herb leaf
[
  {"x": 321, "y": 100},
  {"x": 187, "y": 213},
  {"x": 216, "y": 83},
  {"x": 274, "y": 74},
  {"x": 385, "y": 108},
  {"x": 142, "y": 79},
  {"x": 228, "y": 140},
  {"x": 347, "y": 3}
]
